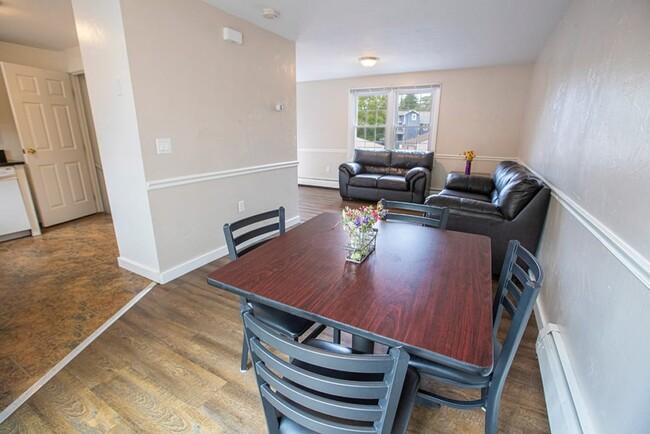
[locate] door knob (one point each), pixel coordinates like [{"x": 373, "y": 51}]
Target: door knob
[{"x": 31, "y": 151}]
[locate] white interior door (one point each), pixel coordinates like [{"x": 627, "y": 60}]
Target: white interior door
[{"x": 48, "y": 126}]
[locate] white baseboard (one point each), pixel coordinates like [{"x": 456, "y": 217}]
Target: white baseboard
[
  {"x": 138, "y": 268},
  {"x": 318, "y": 182},
  {"x": 566, "y": 410},
  {"x": 184, "y": 268},
  {"x": 176, "y": 271}
]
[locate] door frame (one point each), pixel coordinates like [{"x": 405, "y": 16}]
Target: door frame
[{"x": 85, "y": 138}]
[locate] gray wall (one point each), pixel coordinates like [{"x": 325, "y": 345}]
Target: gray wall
[{"x": 588, "y": 133}]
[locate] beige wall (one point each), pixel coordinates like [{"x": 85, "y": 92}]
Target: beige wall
[
  {"x": 480, "y": 109},
  {"x": 587, "y": 133},
  {"x": 23, "y": 55},
  {"x": 215, "y": 101},
  {"x": 103, "y": 48}
]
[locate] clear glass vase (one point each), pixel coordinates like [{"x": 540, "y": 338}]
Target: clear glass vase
[{"x": 360, "y": 245}]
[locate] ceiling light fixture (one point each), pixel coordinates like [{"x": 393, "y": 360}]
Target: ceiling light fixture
[
  {"x": 368, "y": 61},
  {"x": 270, "y": 14}
]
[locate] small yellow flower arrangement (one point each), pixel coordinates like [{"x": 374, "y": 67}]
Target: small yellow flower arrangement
[{"x": 469, "y": 155}]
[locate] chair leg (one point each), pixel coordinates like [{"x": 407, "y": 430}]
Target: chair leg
[
  {"x": 243, "y": 307},
  {"x": 492, "y": 414},
  {"x": 244, "y": 355}
]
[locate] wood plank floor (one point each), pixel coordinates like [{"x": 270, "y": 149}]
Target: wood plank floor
[
  {"x": 56, "y": 290},
  {"x": 171, "y": 364}
]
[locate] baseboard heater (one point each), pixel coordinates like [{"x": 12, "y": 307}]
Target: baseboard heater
[{"x": 566, "y": 411}]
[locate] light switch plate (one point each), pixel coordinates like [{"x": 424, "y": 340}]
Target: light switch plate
[{"x": 164, "y": 146}]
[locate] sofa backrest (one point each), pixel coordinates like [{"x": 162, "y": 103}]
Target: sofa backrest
[
  {"x": 515, "y": 186},
  {"x": 392, "y": 162},
  {"x": 410, "y": 159},
  {"x": 373, "y": 161}
]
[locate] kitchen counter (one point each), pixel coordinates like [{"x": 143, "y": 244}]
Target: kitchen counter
[{"x": 11, "y": 163}]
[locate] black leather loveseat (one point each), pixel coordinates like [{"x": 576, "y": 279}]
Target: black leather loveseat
[
  {"x": 511, "y": 205},
  {"x": 388, "y": 174}
]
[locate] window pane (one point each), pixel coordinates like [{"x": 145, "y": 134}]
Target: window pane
[
  {"x": 371, "y": 110},
  {"x": 371, "y": 121},
  {"x": 361, "y": 118},
  {"x": 412, "y": 120}
]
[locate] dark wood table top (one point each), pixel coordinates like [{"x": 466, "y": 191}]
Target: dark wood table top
[{"x": 423, "y": 288}]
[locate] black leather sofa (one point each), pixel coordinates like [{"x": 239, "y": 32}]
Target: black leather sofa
[
  {"x": 388, "y": 174},
  {"x": 511, "y": 205}
]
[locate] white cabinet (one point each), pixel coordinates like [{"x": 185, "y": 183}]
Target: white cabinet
[{"x": 14, "y": 222}]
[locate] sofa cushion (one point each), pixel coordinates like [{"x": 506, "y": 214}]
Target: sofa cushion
[
  {"x": 466, "y": 195},
  {"x": 391, "y": 182},
  {"x": 365, "y": 180},
  {"x": 464, "y": 206},
  {"x": 410, "y": 159},
  {"x": 469, "y": 183}
]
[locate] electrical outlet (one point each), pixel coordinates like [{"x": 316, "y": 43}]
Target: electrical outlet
[
  {"x": 240, "y": 206},
  {"x": 327, "y": 169},
  {"x": 164, "y": 146}
]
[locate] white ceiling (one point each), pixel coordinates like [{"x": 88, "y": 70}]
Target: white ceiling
[
  {"x": 407, "y": 35},
  {"x": 331, "y": 35}
]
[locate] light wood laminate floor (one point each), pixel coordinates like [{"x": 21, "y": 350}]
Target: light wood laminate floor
[{"x": 171, "y": 364}]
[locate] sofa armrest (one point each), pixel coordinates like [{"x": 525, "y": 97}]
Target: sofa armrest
[
  {"x": 470, "y": 183},
  {"x": 352, "y": 169},
  {"x": 464, "y": 206},
  {"x": 415, "y": 173}
]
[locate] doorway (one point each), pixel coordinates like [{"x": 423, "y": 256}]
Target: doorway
[
  {"x": 54, "y": 124},
  {"x": 88, "y": 123}
]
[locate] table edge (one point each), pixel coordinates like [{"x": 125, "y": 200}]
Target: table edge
[{"x": 429, "y": 355}]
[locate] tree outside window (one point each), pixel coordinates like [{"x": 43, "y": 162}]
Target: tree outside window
[{"x": 370, "y": 128}]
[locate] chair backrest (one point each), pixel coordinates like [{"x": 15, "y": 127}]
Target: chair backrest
[
  {"x": 246, "y": 239},
  {"x": 433, "y": 216},
  {"x": 519, "y": 284},
  {"x": 321, "y": 390}
]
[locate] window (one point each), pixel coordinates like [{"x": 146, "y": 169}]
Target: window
[
  {"x": 395, "y": 118},
  {"x": 370, "y": 127}
]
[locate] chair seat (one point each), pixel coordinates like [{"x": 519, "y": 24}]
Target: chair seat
[
  {"x": 406, "y": 402},
  {"x": 286, "y": 323}
]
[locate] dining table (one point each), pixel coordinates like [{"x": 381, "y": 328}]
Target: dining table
[{"x": 425, "y": 289}]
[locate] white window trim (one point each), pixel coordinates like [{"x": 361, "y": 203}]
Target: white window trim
[{"x": 390, "y": 115}]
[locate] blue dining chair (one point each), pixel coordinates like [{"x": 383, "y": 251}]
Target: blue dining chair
[
  {"x": 242, "y": 239},
  {"x": 321, "y": 387},
  {"x": 432, "y": 216},
  {"x": 519, "y": 285}
]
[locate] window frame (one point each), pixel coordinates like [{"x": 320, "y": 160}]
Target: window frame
[{"x": 392, "y": 112}]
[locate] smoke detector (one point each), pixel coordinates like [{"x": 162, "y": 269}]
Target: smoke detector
[{"x": 270, "y": 14}]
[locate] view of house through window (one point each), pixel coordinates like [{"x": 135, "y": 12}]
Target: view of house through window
[{"x": 394, "y": 118}]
